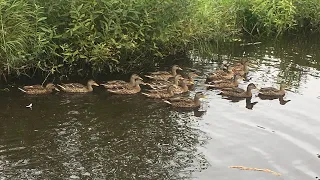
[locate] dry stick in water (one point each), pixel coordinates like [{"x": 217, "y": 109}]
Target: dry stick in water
[{"x": 255, "y": 169}]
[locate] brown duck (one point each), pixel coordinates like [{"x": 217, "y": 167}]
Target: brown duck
[
  {"x": 221, "y": 75},
  {"x": 186, "y": 102},
  {"x": 78, "y": 88},
  {"x": 178, "y": 89},
  {"x": 159, "y": 85},
  {"x": 182, "y": 88},
  {"x": 226, "y": 83},
  {"x": 189, "y": 79},
  {"x": 273, "y": 92},
  {"x": 164, "y": 75},
  {"x": 161, "y": 94},
  {"x": 129, "y": 90},
  {"x": 39, "y": 89},
  {"x": 240, "y": 65},
  {"x": 115, "y": 84},
  {"x": 238, "y": 92}
]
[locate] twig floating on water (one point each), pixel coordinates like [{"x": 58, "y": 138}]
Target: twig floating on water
[
  {"x": 255, "y": 169},
  {"x": 29, "y": 106},
  {"x": 246, "y": 44}
]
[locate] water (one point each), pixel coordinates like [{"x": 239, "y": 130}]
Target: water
[{"x": 103, "y": 136}]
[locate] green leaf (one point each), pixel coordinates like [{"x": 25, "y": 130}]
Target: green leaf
[{"x": 41, "y": 19}]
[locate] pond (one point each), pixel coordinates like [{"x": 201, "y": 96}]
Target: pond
[{"x": 103, "y": 136}]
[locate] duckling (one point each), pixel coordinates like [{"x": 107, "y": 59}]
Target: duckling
[
  {"x": 220, "y": 75},
  {"x": 135, "y": 89},
  {"x": 186, "y": 102},
  {"x": 78, "y": 88},
  {"x": 271, "y": 91},
  {"x": 38, "y": 89},
  {"x": 238, "y": 92},
  {"x": 164, "y": 84},
  {"x": 161, "y": 94},
  {"x": 163, "y": 75},
  {"x": 120, "y": 84},
  {"x": 227, "y": 83}
]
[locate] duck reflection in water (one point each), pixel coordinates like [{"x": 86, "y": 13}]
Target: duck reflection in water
[
  {"x": 280, "y": 98},
  {"x": 249, "y": 104}
]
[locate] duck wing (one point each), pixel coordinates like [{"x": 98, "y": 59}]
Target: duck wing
[
  {"x": 159, "y": 73},
  {"x": 268, "y": 89},
  {"x": 233, "y": 89},
  {"x": 37, "y": 86},
  {"x": 74, "y": 85}
]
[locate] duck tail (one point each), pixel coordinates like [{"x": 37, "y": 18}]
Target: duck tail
[
  {"x": 167, "y": 102},
  {"x": 148, "y": 95},
  {"x": 107, "y": 86},
  {"x": 61, "y": 86},
  {"x": 22, "y": 90},
  {"x": 149, "y": 76}
]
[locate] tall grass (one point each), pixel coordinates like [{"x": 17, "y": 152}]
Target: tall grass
[{"x": 78, "y": 37}]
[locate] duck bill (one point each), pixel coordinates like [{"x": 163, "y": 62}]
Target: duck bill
[
  {"x": 95, "y": 84},
  {"x": 140, "y": 78},
  {"x": 57, "y": 89},
  {"x": 180, "y": 68}
]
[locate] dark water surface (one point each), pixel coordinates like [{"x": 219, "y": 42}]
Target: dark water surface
[{"x": 103, "y": 136}]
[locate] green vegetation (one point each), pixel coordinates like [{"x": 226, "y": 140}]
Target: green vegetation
[{"x": 79, "y": 37}]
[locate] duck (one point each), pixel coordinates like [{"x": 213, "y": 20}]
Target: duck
[
  {"x": 78, "y": 88},
  {"x": 240, "y": 65},
  {"x": 128, "y": 90},
  {"x": 164, "y": 84},
  {"x": 226, "y": 83},
  {"x": 161, "y": 94},
  {"x": 244, "y": 71},
  {"x": 178, "y": 89},
  {"x": 164, "y": 75},
  {"x": 39, "y": 89},
  {"x": 182, "y": 88},
  {"x": 115, "y": 84},
  {"x": 220, "y": 75},
  {"x": 183, "y": 102},
  {"x": 189, "y": 79},
  {"x": 273, "y": 92},
  {"x": 238, "y": 92}
]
